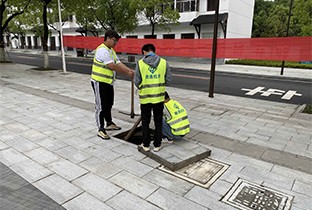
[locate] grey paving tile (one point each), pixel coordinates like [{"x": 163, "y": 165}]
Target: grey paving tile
[
  {"x": 100, "y": 167},
  {"x": 51, "y": 144},
  {"x": 102, "y": 153},
  {"x": 32, "y": 134},
  {"x": 21, "y": 144},
  {"x": 73, "y": 154},
  {"x": 3, "y": 145},
  {"x": 10, "y": 157},
  {"x": 168, "y": 200},
  {"x": 270, "y": 178},
  {"x": 290, "y": 173},
  {"x": 128, "y": 149},
  {"x": 42, "y": 155},
  {"x": 132, "y": 166},
  {"x": 169, "y": 182},
  {"x": 31, "y": 170},
  {"x": 302, "y": 201},
  {"x": 16, "y": 127},
  {"x": 66, "y": 169},
  {"x": 207, "y": 198},
  {"x": 134, "y": 184},
  {"x": 86, "y": 202},
  {"x": 95, "y": 185},
  {"x": 126, "y": 200},
  {"x": 303, "y": 188},
  {"x": 58, "y": 188},
  {"x": 236, "y": 158}
]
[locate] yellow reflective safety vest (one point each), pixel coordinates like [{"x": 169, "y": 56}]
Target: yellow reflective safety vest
[
  {"x": 178, "y": 122},
  {"x": 100, "y": 72},
  {"x": 152, "y": 88}
]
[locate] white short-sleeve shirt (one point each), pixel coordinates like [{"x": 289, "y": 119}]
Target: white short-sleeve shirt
[{"x": 105, "y": 56}]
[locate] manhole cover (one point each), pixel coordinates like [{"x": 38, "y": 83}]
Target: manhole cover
[
  {"x": 246, "y": 195},
  {"x": 203, "y": 173}
]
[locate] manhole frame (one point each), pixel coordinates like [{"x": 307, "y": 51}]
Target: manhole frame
[
  {"x": 208, "y": 183},
  {"x": 229, "y": 197}
]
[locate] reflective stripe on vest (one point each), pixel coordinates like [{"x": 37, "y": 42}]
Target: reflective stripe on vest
[
  {"x": 100, "y": 72},
  {"x": 179, "y": 122},
  {"x": 152, "y": 88}
]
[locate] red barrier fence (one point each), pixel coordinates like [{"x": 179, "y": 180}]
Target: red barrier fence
[{"x": 283, "y": 48}]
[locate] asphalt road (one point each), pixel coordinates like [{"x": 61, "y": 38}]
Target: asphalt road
[{"x": 286, "y": 90}]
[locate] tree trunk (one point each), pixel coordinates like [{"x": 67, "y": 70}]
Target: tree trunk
[
  {"x": 2, "y": 55},
  {"x": 45, "y": 37},
  {"x": 45, "y": 59},
  {"x": 2, "y": 46},
  {"x": 153, "y": 29}
]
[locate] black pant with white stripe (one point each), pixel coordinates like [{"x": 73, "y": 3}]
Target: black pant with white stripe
[{"x": 104, "y": 100}]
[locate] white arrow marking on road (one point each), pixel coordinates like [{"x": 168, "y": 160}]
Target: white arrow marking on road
[
  {"x": 272, "y": 92},
  {"x": 290, "y": 94},
  {"x": 253, "y": 91}
]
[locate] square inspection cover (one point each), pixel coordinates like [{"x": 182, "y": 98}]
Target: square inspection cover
[
  {"x": 247, "y": 195},
  {"x": 203, "y": 173}
]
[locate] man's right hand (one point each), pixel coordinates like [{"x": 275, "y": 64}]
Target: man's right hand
[{"x": 131, "y": 73}]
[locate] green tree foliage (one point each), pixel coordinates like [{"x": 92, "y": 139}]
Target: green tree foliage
[
  {"x": 9, "y": 9},
  {"x": 159, "y": 13},
  {"x": 270, "y": 18},
  {"x": 302, "y": 18},
  {"x": 119, "y": 15}
]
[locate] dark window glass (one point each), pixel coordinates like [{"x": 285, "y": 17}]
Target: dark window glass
[
  {"x": 168, "y": 36},
  {"x": 150, "y": 36},
  {"x": 188, "y": 36},
  {"x": 211, "y": 5}
]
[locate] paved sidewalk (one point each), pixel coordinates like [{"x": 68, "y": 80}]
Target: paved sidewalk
[{"x": 48, "y": 137}]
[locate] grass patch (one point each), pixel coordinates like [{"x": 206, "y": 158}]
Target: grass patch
[
  {"x": 270, "y": 63},
  {"x": 308, "y": 109}
]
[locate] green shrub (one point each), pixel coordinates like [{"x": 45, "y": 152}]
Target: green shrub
[
  {"x": 270, "y": 63},
  {"x": 308, "y": 109}
]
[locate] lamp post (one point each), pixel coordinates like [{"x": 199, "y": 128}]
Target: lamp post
[
  {"x": 287, "y": 30},
  {"x": 61, "y": 30},
  {"x": 214, "y": 49}
]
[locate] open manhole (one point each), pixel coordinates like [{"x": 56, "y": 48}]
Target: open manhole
[
  {"x": 136, "y": 137},
  {"x": 247, "y": 195},
  {"x": 203, "y": 173}
]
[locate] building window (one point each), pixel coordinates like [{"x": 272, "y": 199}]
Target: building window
[
  {"x": 188, "y": 36},
  {"x": 211, "y": 5},
  {"x": 187, "y": 5},
  {"x": 132, "y": 37},
  {"x": 168, "y": 36},
  {"x": 150, "y": 37}
]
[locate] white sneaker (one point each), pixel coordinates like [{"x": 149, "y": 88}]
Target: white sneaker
[
  {"x": 156, "y": 149},
  {"x": 166, "y": 140},
  {"x": 146, "y": 149}
]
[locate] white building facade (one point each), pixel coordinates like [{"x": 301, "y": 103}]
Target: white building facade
[{"x": 196, "y": 22}]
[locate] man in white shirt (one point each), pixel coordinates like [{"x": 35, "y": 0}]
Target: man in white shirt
[{"x": 104, "y": 68}]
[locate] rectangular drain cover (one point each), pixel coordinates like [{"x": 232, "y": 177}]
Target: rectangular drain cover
[
  {"x": 203, "y": 173},
  {"x": 247, "y": 195}
]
